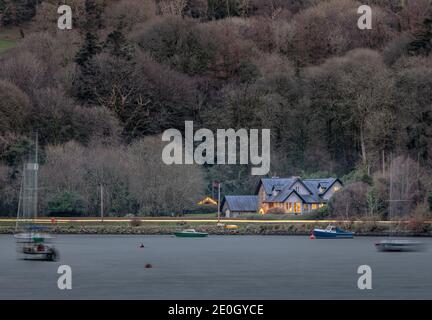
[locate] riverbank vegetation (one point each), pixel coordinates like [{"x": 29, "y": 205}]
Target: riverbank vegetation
[
  {"x": 339, "y": 101},
  {"x": 362, "y": 228}
]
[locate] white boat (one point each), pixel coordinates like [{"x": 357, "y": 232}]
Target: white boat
[{"x": 33, "y": 242}]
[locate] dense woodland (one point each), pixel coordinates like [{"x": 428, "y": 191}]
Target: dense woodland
[{"x": 339, "y": 101}]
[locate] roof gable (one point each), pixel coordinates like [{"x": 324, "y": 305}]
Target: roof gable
[
  {"x": 269, "y": 183},
  {"x": 331, "y": 185},
  {"x": 302, "y": 183}
]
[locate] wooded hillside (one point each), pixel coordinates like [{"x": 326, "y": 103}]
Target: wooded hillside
[{"x": 339, "y": 101}]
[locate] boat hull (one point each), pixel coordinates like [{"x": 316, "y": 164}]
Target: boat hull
[
  {"x": 322, "y": 234},
  {"x": 191, "y": 234},
  {"x": 38, "y": 256}
]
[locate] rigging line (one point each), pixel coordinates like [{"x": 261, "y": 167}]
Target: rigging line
[{"x": 19, "y": 200}]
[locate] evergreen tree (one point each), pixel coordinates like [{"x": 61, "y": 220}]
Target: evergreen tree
[
  {"x": 94, "y": 12},
  {"x": 422, "y": 45},
  {"x": 117, "y": 44},
  {"x": 90, "y": 48},
  {"x": 93, "y": 22},
  {"x": 14, "y": 12}
]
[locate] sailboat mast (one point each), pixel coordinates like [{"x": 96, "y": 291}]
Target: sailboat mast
[
  {"x": 391, "y": 171},
  {"x": 19, "y": 201},
  {"x": 36, "y": 177}
]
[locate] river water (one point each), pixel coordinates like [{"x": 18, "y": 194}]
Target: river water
[{"x": 217, "y": 267}]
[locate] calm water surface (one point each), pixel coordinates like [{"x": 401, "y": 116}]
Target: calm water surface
[{"x": 217, "y": 267}]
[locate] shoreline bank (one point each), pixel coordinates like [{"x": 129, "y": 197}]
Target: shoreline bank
[{"x": 243, "y": 229}]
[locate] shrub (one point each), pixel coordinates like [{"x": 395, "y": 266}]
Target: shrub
[
  {"x": 320, "y": 213},
  {"x": 275, "y": 211},
  {"x": 417, "y": 222},
  {"x": 66, "y": 203},
  {"x": 430, "y": 201},
  {"x": 135, "y": 222}
]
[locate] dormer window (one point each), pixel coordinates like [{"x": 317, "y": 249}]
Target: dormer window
[
  {"x": 322, "y": 188},
  {"x": 297, "y": 189}
]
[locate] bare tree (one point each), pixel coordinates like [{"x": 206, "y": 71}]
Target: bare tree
[{"x": 172, "y": 7}]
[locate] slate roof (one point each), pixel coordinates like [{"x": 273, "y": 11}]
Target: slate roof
[
  {"x": 316, "y": 183},
  {"x": 269, "y": 183},
  {"x": 283, "y": 186},
  {"x": 313, "y": 185},
  {"x": 241, "y": 203}
]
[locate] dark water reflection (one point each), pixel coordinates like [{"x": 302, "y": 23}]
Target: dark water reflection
[{"x": 218, "y": 267}]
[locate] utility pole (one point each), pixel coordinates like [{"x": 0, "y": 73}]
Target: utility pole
[
  {"x": 219, "y": 208},
  {"x": 101, "y": 204}
]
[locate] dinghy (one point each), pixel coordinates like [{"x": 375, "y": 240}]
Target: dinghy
[{"x": 332, "y": 232}]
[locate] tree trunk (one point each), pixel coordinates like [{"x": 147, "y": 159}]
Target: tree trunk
[{"x": 363, "y": 146}]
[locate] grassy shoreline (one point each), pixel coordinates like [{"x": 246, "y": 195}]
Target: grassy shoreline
[{"x": 368, "y": 228}]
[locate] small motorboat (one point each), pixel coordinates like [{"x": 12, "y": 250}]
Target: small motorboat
[
  {"x": 190, "y": 233},
  {"x": 332, "y": 232},
  {"x": 395, "y": 245}
]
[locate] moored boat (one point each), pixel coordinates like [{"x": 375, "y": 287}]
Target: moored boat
[
  {"x": 332, "y": 232},
  {"x": 399, "y": 245},
  {"x": 34, "y": 245},
  {"x": 33, "y": 242},
  {"x": 190, "y": 233}
]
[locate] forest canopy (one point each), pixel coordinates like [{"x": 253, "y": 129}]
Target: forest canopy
[{"x": 339, "y": 100}]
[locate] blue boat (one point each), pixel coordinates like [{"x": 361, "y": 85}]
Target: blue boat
[{"x": 332, "y": 232}]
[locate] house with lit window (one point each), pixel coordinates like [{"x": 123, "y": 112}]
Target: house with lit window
[{"x": 283, "y": 195}]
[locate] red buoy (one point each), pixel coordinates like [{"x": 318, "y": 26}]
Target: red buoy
[{"x": 312, "y": 237}]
